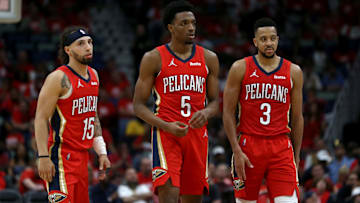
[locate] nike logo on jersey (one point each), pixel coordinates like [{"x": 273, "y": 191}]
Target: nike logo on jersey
[
  {"x": 254, "y": 74},
  {"x": 94, "y": 83},
  {"x": 79, "y": 84},
  {"x": 195, "y": 64},
  {"x": 279, "y": 77},
  {"x": 172, "y": 63}
]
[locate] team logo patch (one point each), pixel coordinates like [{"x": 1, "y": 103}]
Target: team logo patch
[
  {"x": 157, "y": 173},
  {"x": 238, "y": 185},
  {"x": 56, "y": 196}
]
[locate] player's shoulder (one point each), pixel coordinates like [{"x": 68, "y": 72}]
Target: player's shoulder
[
  {"x": 152, "y": 55},
  {"x": 239, "y": 65},
  {"x": 295, "y": 68},
  {"x": 56, "y": 75}
]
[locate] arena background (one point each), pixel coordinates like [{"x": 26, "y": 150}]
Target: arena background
[{"x": 321, "y": 36}]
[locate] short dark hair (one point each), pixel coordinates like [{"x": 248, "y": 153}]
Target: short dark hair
[
  {"x": 63, "y": 56},
  {"x": 264, "y": 22},
  {"x": 173, "y": 8}
]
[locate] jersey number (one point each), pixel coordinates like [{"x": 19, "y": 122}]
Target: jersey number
[
  {"x": 266, "y": 108},
  {"x": 88, "y": 128},
  {"x": 185, "y": 107}
]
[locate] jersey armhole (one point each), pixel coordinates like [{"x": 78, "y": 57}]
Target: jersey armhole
[{"x": 68, "y": 93}]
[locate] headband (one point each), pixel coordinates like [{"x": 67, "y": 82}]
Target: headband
[{"x": 74, "y": 36}]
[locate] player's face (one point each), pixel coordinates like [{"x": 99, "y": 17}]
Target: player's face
[
  {"x": 266, "y": 41},
  {"x": 82, "y": 50},
  {"x": 183, "y": 27}
]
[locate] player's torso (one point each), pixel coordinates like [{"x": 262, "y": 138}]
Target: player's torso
[
  {"x": 180, "y": 87},
  {"x": 72, "y": 123},
  {"x": 265, "y": 99}
]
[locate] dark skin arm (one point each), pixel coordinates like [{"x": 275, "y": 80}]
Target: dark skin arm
[
  {"x": 297, "y": 119},
  {"x": 199, "y": 118},
  {"x": 231, "y": 95},
  {"x": 149, "y": 67}
]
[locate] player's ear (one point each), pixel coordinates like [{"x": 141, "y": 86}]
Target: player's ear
[
  {"x": 170, "y": 27},
  {"x": 67, "y": 50},
  {"x": 255, "y": 42}
]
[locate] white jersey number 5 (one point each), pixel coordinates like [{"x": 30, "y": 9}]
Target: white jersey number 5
[
  {"x": 266, "y": 108},
  {"x": 185, "y": 106}
]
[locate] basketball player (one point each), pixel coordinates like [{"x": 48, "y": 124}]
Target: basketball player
[
  {"x": 67, "y": 112},
  {"x": 268, "y": 89},
  {"x": 183, "y": 78}
]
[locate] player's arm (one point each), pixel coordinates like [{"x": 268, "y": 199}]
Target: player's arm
[
  {"x": 297, "y": 119},
  {"x": 212, "y": 85},
  {"x": 55, "y": 85},
  {"x": 99, "y": 143},
  {"x": 230, "y": 101},
  {"x": 149, "y": 67}
]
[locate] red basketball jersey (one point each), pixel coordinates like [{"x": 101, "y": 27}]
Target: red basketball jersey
[
  {"x": 180, "y": 86},
  {"x": 265, "y": 99},
  {"x": 72, "y": 124}
]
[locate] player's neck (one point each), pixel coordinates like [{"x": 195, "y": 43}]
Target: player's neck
[
  {"x": 180, "y": 48},
  {"x": 79, "y": 68},
  {"x": 268, "y": 63}
]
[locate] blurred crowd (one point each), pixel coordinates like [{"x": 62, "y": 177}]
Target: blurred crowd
[{"x": 321, "y": 36}]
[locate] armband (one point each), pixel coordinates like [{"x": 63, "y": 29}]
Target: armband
[{"x": 99, "y": 145}]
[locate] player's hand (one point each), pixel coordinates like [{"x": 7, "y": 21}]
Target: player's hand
[
  {"x": 240, "y": 160},
  {"x": 198, "y": 119},
  {"x": 104, "y": 164},
  {"x": 178, "y": 128},
  {"x": 46, "y": 169}
]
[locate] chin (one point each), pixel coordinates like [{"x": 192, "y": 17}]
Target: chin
[{"x": 189, "y": 42}]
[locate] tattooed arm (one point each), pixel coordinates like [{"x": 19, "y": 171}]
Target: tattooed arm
[
  {"x": 99, "y": 144},
  {"x": 55, "y": 85}
]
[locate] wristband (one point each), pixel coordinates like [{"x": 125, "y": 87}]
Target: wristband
[
  {"x": 43, "y": 156},
  {"x": 99, "y": 145}
]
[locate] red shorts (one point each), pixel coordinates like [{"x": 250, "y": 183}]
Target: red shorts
[
  {"x": 70, "y": 183},
  {"x": 182, "y": 159},
  {"x": 273, "y": 159}
]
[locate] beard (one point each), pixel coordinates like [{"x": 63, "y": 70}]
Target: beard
[
  {"x": 82, "y": 60},
  {"x": 267, "y": 56}
]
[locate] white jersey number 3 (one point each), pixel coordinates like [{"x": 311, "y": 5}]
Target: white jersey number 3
[
  {"x": 266, "y": 108},
  {"x": 88, "y": 126},
  {"x": 185, "y": 106}
]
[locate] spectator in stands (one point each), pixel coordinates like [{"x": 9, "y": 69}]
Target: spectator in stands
[
  {"x": 344, "y": 194},
  {"x": 339, "y": 161},
  {"x": 30, "y": 180},
  {"x": 223, "y": 180},
  {"x": 145, "y": 175},
  {"x": 102, "y": 192},
  {"x": 131, "y": 190}
]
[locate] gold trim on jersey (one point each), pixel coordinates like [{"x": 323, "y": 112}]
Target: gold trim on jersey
[
  {"x": 157, "y": 102},
  {"x": 207, "y": 160},
  {"x": 288, "y": 118},
  {"x": 62, "y": 179},
  {"x": 162, "y": 157},
  {"x": 296, "y": 171},
  {"x": 50, "y": 150}
]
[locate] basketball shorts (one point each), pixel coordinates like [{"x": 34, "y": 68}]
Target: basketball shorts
[
  {"x": 70, "y": 183},
  {"x": 183, "y": 160},
  {"x": 273, "y": 160}
]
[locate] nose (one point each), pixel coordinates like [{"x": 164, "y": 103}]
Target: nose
[{"x": 191, "y": 27}]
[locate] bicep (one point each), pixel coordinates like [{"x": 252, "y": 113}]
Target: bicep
[
  {"x": 48, "y": 97},
  {"x": 213, "y": 80},
  {"x": 148, "y": 68},
  {"x": 296, "y": 93},
  {"x": 232, "y": 88}
]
